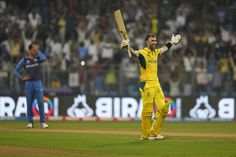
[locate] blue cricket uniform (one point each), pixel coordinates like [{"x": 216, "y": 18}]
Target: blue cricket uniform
[{"x": 33, "y": 86}]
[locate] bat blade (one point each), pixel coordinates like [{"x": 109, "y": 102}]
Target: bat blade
[{"x": 121, "y": 27}]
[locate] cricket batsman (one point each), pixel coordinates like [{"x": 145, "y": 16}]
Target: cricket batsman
[
  {"x": 33, "y": 85},
  {"x": 149, "y": 87}
]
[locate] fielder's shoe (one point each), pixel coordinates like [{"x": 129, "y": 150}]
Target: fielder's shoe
[
  {"x": 141, "y": 138},
  {"x": 158, "y": 137},
  {"x": 44, "y": 125},
  {"x": 30, "y": 125}
]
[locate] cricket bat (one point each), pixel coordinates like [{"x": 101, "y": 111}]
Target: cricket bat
[{"x": 121, "y": 28}]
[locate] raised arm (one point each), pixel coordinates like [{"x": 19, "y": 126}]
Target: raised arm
[
  {"x": 175, "y": 39},
  {"x": 41, "y": 56},
  {"x": 125, "y": 43},
  {"x": 134, "y": 52}
]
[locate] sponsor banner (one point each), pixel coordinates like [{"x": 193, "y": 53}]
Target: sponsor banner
[
  {"x": 16, "y": 107},
  {"x": 82, "y": 107},
  {"x": 208, "y": 108}
]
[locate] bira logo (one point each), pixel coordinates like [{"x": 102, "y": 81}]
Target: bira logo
[
  {"x": 202, "y": 109},
  {"x": 80, "y": 108}
]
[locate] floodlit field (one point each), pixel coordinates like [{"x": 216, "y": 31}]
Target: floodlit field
[{"x": 117, "y": 139}]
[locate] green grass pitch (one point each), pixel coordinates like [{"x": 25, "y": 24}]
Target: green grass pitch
[{"x": 116, "y": 139}]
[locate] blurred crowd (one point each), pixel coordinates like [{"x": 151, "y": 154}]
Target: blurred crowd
[{"x": 82, "y": 45}]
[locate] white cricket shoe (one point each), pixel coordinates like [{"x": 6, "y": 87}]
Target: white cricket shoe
[
  {"x": 30, "y": 125},
  {"x": 152, "y": 137},
  {"x": 44, "y": 125},
  {"x": 158, "y": 137}
]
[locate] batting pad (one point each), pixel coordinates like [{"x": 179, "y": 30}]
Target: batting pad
[
  {"x": 159, "y": 118},
  {"x": 146, "y": 124}
]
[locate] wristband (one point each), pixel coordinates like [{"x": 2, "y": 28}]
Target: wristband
[{"x": 168, "y": 45}]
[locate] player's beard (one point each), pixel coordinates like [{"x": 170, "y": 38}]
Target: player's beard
[{"x": 152, "y": 46}]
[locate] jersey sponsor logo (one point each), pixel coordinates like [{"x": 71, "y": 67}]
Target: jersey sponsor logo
[{"x": 32, "y": 65}]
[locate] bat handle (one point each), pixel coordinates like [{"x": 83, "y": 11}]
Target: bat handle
[{"x": 126, "y": 48}]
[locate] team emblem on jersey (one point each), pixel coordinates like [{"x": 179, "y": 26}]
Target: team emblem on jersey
[{"x": 28, "y": 61}]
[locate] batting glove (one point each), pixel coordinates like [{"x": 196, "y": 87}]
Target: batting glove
[
  {"x": 124, "y": 43},
  {"x": 175, "y": 39}
]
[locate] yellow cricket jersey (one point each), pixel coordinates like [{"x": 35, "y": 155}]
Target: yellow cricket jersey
[{"x": 148, "y": 61}]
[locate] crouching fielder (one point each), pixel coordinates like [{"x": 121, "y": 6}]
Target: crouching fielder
[{"x": 149, "y": 87}]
